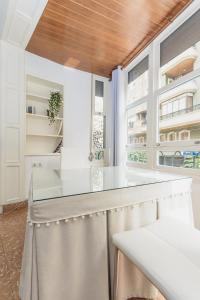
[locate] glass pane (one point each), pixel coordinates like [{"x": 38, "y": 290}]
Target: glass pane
[
  {"x": 98, "y": 132},
  {"x": 137, "y": 124},
  {"x": 99, "y": 154},
  {"x": 180, "y": 112},
  {"x": 99, "y": 96},
  {"x": 137, "y": 156},
  {"x": 138, "y": 81},
  {"x": 180, "y": 52},
  {"x": 181, "y": 159},
  {"x": 183, "y": 64},
  {"x": 99, "y": 104}
]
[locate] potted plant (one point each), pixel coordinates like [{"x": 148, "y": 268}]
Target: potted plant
[{"x": 55, "y": 104}]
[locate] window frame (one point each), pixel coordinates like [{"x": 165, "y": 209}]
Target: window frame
[
  {"x": 153, "y": 144},
  {"x": 104, "y": 114}
]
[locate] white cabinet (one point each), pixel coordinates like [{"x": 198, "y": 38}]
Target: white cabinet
[
  {"x": 12, "y": 106},
  {"x": 24, "y": 138},
  {"x": 51, "y": 161}
]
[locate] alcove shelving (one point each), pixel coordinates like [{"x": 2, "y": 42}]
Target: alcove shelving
[{"x": 42, "y": 138}]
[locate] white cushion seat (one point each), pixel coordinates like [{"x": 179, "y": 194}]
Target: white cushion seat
[{"x": 168, "y": 254}]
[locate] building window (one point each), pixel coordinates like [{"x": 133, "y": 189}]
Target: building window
[
  {"x": 171, "y": 136},
  {"x": 176, "y": 105},
  {"x": 184, "y": 135},
  {"x": 141, "y": 140},
  {"x": 162, "y": 137},
  {"x": 137, "y": 124},
  {"x": 180, "y": 109}
]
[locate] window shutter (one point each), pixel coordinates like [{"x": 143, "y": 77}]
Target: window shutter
[
  {"x": 99, "y": 88},
  {"x": 138, "y": 70}
]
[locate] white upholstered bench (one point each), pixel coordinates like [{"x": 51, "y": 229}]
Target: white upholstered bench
[{"x": 168, "y": 254}]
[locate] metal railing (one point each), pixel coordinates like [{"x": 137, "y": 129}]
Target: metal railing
[
  {"x": 180, "y": 112},
  {"x": 136, "y": 124}
]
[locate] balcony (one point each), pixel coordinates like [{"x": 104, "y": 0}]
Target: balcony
[
  {"x": 180, "y": 65},
  {"x": 183, "y": 117},
  {"x": 138, "y": 127}
]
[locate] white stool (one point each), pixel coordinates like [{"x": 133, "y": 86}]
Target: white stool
[{"x": 168, "y": 254}]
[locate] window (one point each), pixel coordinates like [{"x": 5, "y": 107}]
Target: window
[
  {"x": 180, "y": 52},
  {"x": 171, "y": 136},
  {"x": 99, "y": 96},
  {"x": 136, "y": 110},
  {"x": 180, "y": 112},
  {"x": 138, "y": 81},
  {"x": 137, "y": 124},
  {"x": 162, "y": 137},
  {"x": 184, "y": 135},
  {"x": 163, "y": 111},
  {"x": 99, "y": 121}
]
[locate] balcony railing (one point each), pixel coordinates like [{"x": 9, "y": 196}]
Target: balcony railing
[
  {"x": 180, "y": 112},
  {"x": 135, "y": 124}
]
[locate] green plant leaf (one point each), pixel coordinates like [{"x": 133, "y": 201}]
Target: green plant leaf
[{"x": 55, "y": 104}]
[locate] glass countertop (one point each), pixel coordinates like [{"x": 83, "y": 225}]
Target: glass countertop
[{"x": 49, "y": 184}]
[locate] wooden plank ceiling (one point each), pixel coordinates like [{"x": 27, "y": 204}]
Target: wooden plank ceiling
[{"x": 98, "y": 35}]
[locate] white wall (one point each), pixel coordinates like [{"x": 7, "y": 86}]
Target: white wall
[
  {"x": 77, "y": 98},
  {"x": 195, "y": 200},
  {"x": 3, "y": 12}
]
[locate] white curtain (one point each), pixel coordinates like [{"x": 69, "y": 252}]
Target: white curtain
[
  {"x": 66, "y": 261},
  {"x": 126, "y": 279},
  {"x": 68, "y": 252},
  {"x": 118, "y": 117}
]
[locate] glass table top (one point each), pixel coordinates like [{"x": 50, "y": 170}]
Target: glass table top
[{"x": 49, "y": 184}]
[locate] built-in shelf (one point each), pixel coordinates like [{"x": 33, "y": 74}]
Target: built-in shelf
[
  {"x": 42, "y": 137},
  {"x": 42, "y": 154},
  {"x": 41, "y": 116},
  {"x": 45, "y": 135},
  {"x": 37, "y": 97}
]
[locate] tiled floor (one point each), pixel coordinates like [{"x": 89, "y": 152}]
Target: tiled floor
[{"x": 12, "y": 230}]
